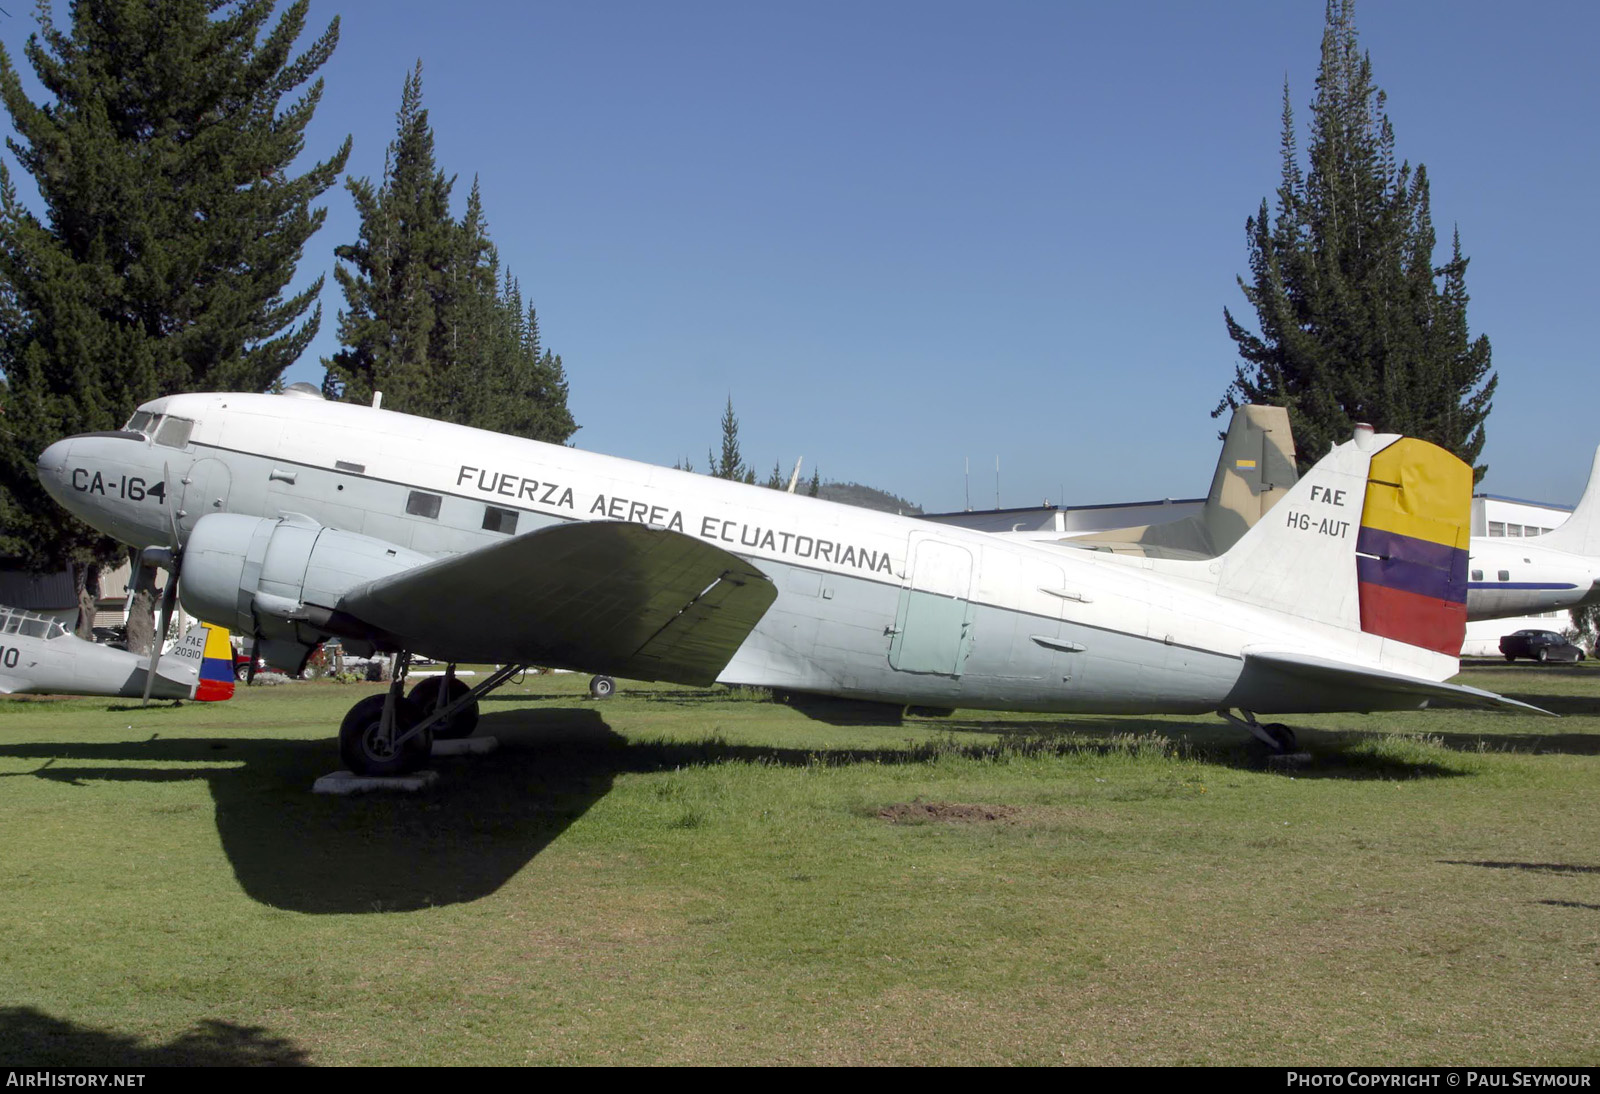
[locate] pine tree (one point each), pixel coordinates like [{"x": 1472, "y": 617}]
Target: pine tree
[
  {"x": 431, "y": 320},
  {"x": 1354, "y": 325},
  {"x": 172, "y": 227},
  {"x": 731, "y": 464}
]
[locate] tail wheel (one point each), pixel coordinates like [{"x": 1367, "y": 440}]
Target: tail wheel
[
  {"x": 460, "y": 724},
  {"x": 362, "y": 748}
]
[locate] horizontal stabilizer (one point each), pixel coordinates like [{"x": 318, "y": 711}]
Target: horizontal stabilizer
[
  {"x": 1295, "y": 683},
  {"x": 606, "y": 597}
]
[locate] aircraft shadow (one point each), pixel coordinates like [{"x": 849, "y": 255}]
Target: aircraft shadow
[
  {"x": 487, "y": 818},
  {"x": 1334, "y": 754},
  {"x": 481, "y": 823},
  {"x": 30, "y": 1038}
]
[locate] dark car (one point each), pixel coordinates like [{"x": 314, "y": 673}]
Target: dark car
[{"x": 1539, "y": 645}]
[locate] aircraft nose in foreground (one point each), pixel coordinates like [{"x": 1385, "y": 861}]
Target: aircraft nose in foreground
[{"x": 110, "y": 481}]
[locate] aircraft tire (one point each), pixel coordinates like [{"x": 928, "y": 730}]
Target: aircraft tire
[
  {"x": 602, "y": 687},
  {"x": 358, "y": 746},
  {"x": 460, "y": 724},
  {"x": 1282, "y": 736}
]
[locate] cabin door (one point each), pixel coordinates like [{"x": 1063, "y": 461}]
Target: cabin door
[{"x": 933, "y": 626}]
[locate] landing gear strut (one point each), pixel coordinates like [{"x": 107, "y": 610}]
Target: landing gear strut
[
  {"x": 436, "y": 693},
  {"x": 392, "y": 734},
  {"x": 1275, "y": 735}
]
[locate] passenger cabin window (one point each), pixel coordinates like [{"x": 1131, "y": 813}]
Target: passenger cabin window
[
  {"x": 500, "y": 520},
  {"x": 423, "y": 505},
  {"x": 1505, "y": 575},
  {"x": 1477, "y": 575},
  {"x": 174, "y": 432}
]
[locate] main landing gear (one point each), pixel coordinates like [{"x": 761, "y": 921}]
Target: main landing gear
[
  {"x": 392, "y": 733},
  {"x": 1275, "y": 735}
]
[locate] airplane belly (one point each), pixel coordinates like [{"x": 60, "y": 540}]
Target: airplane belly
[{"x": 1499, "y": 603}]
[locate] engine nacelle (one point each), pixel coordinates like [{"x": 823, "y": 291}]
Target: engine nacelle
[{"x": 280, "y": 579}]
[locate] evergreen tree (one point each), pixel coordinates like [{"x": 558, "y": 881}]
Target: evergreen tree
[
  {"x": 731, "y": 465},
  {"x": 430, "y": 318},
  {"x": 171, "y": 230},
  {"x": 1354, "y": 325}
]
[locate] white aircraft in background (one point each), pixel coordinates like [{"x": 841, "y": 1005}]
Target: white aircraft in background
[
  {"x": 292, "y": 519},
  {"x": 1560, "y": 569},
  {"x": 39, "y": 656}
]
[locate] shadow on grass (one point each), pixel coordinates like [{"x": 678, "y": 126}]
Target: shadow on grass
[
  {"x": 29, "y": 1038},
  {"x": 1334, "y": 754},
  {"x": 487, "y": 818},
  {"x": 1534, "y": 867}
]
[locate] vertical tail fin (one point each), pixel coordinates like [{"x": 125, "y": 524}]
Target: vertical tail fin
[
  {"x": 216, "y": 665},
  {"x": 1579, "y": 534},
  {"x": 1255, "y": 471},
  {"x": 1372, "y": 539}
]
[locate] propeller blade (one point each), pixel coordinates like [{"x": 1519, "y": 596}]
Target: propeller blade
[
  {"x": 168, "y": 595},
  {"x": 169, "y": 558}
]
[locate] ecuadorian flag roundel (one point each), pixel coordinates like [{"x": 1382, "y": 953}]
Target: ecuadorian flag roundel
[{"x": 1411, "y": 551}]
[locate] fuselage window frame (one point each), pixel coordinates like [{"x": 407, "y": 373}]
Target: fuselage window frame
[
  {"x": 420, "y": 503},
  {"x": 500, "y": 520}
]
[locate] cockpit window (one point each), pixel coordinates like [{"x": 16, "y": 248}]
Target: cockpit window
[
  {"x": 18, "y": 621},
  {"x": 140, "y": 422},
  {"x": 174, "y": 432}
]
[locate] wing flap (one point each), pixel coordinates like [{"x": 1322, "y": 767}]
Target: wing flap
[
  {"x": 604, "y": 597},
  {"x": 1281, "y": 682}
]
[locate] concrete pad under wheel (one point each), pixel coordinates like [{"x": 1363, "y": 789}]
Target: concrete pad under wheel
[
  {"x": 346, "y": 782},
  {"x": 465, "y": 746}
]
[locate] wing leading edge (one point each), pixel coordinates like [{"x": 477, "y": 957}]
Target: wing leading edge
[
  {"x": 1276, "y": 682},
  {"x": 604, "y": 597}
]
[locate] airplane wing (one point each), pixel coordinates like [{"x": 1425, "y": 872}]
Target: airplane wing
[
  {"x": 1275, "y": 682},
  {"x": 603, "y": 597}
]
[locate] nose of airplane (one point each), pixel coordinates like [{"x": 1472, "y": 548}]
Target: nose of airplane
[{"x": 53, "y": 468}]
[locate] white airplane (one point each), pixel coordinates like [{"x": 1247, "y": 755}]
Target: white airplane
[
  {"x": 39, "y": 656},
  {"x": 293, "y": 519},
  {"x": 1559, "y": 569}
]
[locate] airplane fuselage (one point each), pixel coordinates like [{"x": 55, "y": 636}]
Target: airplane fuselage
[{"x": 869, "y": 605}]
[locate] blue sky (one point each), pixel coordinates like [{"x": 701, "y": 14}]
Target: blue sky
[{"x": 902, "y": 235}]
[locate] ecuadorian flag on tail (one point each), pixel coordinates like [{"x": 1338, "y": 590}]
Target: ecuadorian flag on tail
[
  {"x": 216, "y": 667},
  {"x": 1411, "y": 550}
]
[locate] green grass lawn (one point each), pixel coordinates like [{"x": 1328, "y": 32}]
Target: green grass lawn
[{"x": 680, "y": 875}]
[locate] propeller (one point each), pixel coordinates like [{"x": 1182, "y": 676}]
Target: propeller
[{"x": 170, "y": 559}]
